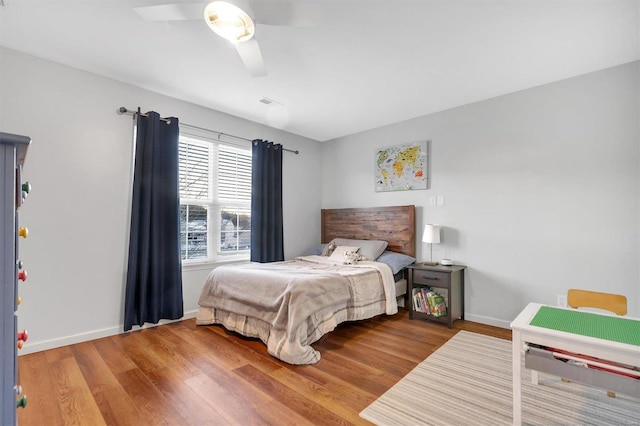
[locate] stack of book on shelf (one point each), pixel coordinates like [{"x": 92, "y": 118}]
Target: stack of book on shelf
[{"x": 429, "y": 302}]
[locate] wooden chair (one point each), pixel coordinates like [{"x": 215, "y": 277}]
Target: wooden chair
[{"x": 615, "y": 303}]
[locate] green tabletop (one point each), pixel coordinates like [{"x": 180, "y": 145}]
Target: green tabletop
[{"x": 615, "y": 329}]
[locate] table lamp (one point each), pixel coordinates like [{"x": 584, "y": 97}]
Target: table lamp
[{"x": 431, "y": 235}]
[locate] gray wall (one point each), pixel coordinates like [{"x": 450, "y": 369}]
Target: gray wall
[
  {"x": 541, "y": 190},
  {"x": 79, "y": 164}
]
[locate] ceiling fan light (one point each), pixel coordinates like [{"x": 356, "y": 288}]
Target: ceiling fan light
[{"x": 229, "y": 21}]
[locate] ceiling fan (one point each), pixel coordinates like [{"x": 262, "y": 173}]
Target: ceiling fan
[{"x": 236, "y": 20}]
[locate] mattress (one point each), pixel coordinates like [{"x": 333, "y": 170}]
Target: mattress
[{"x": 401, "y": 287}]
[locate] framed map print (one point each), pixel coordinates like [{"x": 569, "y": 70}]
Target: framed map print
[{"x": 401, "y": 167}]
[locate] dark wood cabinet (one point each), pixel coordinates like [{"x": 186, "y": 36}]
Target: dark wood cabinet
[{"x": 447, "y": 281}]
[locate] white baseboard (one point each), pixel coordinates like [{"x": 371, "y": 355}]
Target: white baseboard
[
  {"x": 37, "y": 346},
  {"x": 487, "y": 320}
]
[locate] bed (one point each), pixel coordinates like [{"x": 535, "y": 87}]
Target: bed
[{"x": 289, "y": 305}]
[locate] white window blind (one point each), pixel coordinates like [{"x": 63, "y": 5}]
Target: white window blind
[
  {"x": 215, "y": 200},
  {"x": 234, "y": 174},
  {"x": 194, "y": 170}
]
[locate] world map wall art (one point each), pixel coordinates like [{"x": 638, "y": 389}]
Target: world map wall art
[{"x": 401, "y": 167}]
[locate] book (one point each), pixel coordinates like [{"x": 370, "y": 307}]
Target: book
[
  {"x": 425, "y": 300},
  {"x": 437, "y": 305},
  {"x": 417, "y": 305}
]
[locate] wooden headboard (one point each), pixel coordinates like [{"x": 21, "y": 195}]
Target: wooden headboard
[{"x": 396, "y": 225}]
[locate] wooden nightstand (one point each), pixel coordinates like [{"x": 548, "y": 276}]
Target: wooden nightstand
[{"x": 447, "y": 281}]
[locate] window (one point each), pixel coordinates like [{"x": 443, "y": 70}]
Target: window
[{"x": 215, "y": 200}]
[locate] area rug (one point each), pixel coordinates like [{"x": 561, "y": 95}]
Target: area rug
[{"x": 468, "y": 382}]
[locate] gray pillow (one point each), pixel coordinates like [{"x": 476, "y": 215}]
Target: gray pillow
[
  {"x": 396, "y": 261},
  {"x": 370, "y": 249},
  {"x": 315, "y": 250}
]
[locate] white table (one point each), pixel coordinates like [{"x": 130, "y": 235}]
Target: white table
[{"x": 524, "y": 333}]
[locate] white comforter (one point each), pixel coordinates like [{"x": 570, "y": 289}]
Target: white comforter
[{"x": 291, "y": 304}]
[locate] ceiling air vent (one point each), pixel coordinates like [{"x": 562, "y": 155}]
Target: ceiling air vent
[{"x": 268, "y": 101}]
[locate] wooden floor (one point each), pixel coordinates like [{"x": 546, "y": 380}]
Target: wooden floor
[{"x": 183, "y": 374}]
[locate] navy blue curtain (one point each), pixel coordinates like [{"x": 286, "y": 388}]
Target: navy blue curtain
[
  {"x": 154, "y": 273},
  {"x": 266, "y": 202}
]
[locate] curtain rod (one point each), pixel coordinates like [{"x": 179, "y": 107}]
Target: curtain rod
[{"x": 123, "y": 110}]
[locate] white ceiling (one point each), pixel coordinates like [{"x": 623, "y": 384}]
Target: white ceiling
[{"x": 397, "y": 59}]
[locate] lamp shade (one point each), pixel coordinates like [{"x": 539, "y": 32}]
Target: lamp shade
[{"x": 431, "y": 234}]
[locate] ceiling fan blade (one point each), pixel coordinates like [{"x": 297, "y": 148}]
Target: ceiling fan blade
[
  {"x": 250, "y": 54},
  {"x": 289, "y": 13},
  {"x": 171, "y": 12}
]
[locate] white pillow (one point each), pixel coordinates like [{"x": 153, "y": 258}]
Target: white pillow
[
  {"x": 370, "y": 249},
  {"x": 338, "y": 253}
]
